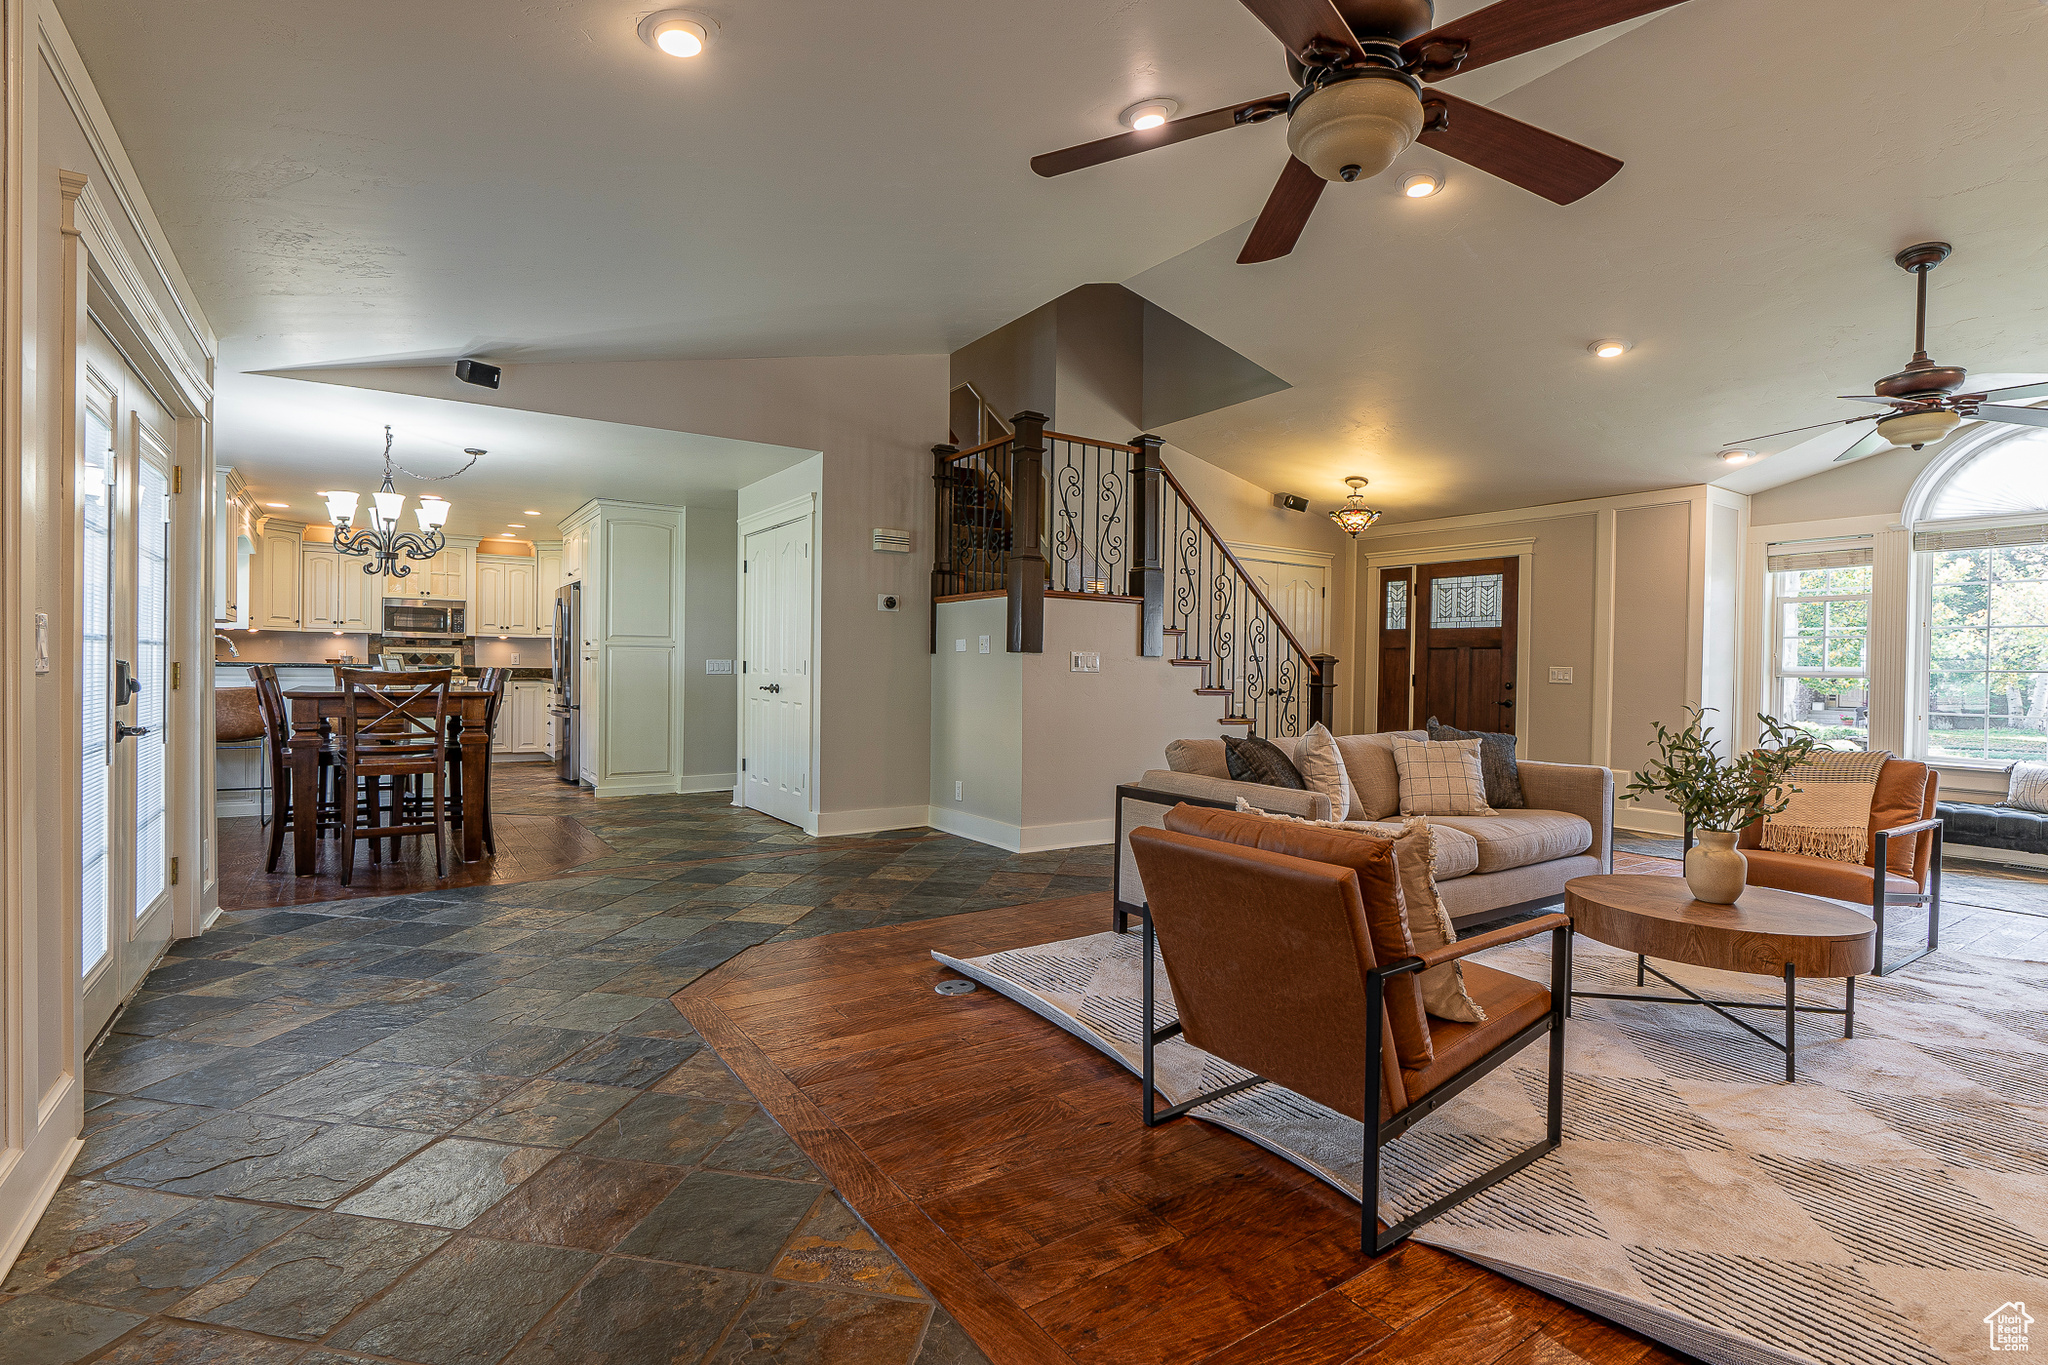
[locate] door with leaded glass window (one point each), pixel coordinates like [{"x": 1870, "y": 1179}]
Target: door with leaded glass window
[
  {"x": 1397, "y": 662},
  {"x": 124, "y": 485},
  {"x": 1466, "y": 642}
]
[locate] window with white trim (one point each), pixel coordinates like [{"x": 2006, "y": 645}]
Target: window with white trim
[{"x": 1820, "y": 660}]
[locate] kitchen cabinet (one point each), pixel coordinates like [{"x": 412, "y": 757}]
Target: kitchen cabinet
[
  {"x": 575, "y": 554},
  {"x": 280, "y": 600},
  {"x": 319, "y": 589},
  {"x": 504, "y": 596},
  {"x": 361, "y": 596},
  {"x": 547, "y": 574},
  {"x": 522, "y": 726}
]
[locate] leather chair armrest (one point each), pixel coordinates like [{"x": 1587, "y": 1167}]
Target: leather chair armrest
[{"x": 1465, "y": 947}]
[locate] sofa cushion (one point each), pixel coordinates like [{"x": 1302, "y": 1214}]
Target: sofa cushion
[
  {"x": 1322, "y": 767},
  {"x": 1818, "y": 876},
  {"x": 1521, "y": 838},
  {"x": 1307, "y": 804},
  {"x": 1376, "y": 861},
  {"x": 1202, "y": 757},
  {"x": 2000, "y": 827},
  {"x": 1509, "y": 1003},
  {"x": 1375, "y": 781},
  {"x": 1257, "y": 760},
  {"x": 1496, "y": 763}
]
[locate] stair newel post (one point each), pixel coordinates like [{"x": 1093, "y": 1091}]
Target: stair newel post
[
  {"x": 1026, "y": 568},
  {"x": 1148, "y": 563},
  {"x": 942, "y": 531},
  {"x": 1322, "y": 692}
]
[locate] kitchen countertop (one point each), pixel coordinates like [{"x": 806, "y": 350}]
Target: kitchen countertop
[{"x": 518, "y": 674}]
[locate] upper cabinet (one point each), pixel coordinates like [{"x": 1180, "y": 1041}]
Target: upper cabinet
[
  {"x": 505, "y": 596},
  {"x": 234, "y": 539},
  {"x": 279, "y": 600},
  {"x": 575, "y": 554},
  {"x": 547, "y": 573},
  {"x": 319, "y": 588}
]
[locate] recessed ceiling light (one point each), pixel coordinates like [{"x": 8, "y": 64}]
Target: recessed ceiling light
[
  {"x": 533, "y": 511},
  {"x": 1609, "y": 349},
  {"x": 515, "y": 526},
  {"x": 1149, "y": 114},
  {"x": 1421, "y": 186},
  {"x": 676, "y": 32},
  {"x": 1740, "y": 456},
  {"x": 277, "y": 504}
]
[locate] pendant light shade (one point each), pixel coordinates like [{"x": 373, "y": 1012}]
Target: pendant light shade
[
  {"x": 1354, "y": 516},
  {"x": 1918, "y": 429},
  {"x": 341, "y": 509}
]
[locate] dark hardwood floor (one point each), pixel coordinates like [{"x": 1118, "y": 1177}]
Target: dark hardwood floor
[{"x": 1005, "y": 1163}]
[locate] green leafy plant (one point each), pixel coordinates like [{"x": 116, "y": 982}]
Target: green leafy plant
[{"x": 1717, "y": 793}]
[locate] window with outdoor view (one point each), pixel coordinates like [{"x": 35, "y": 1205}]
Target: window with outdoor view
[
  {"x": 1821, "y": 666},
  {"x": 1987, "y": 657}
]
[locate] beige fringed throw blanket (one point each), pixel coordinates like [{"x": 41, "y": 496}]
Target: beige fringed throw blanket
[{"x": 1830, "y": 812}]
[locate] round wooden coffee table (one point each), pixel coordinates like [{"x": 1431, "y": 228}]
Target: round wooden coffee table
[{"x": 1766, "y": 933}]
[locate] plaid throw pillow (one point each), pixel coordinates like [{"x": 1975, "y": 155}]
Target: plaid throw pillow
[
  {"x": 1441, "y": 778},
  {"x": 1260, "y": 760}
]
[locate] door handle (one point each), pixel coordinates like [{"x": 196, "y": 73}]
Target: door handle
[
  {"x": 125, "y": 684},
  {"x": 1509, "y": 704},
  {"x": 122, "y": 732},
  {"x": 771, "y": 687}
]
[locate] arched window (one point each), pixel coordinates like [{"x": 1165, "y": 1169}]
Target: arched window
[{"x": 1980, "y": 539}]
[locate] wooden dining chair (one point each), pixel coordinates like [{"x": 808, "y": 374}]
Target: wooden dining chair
[
  {"x": 459, "y": 806},
  {"x": 277, "y": 727},
  {"x": 393, "y": 725}
]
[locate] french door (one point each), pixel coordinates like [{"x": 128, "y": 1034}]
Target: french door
[
  {"x": 775, "y": 678},
  {"x": 124, "y": 681}
]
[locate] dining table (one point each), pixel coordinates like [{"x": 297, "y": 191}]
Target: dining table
[{"x": 313, "y": 711}]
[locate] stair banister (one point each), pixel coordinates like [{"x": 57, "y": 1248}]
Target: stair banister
[
  {"x": 1251, "y": 584},
  {"x": 942, "y": 563},
  {"x": 1148, "y": 565},
  {"x": 1026, "y": 566}
]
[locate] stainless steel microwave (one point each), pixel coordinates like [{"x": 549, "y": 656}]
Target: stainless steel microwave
[{"x": 421, "y": 617}]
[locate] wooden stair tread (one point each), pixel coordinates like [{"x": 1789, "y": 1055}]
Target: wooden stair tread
[
  {"x": 1234, "y": 720},
  {"x": 1189, "y": 663},
  {"x": 1212, "y": 691}
]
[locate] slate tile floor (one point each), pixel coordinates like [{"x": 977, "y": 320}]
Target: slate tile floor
[{"x": 467, "y": 1126}]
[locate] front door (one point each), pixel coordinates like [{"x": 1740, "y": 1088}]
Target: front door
[
  {"x": 776, "y": 673},
  {"x": 1397, "y": 660},
  {"x": 1466, "y": 640},
  {"x": 124, "y": 672}
]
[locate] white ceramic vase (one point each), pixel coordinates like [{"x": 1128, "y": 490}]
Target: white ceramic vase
[{"x": 1715, "y": 869}]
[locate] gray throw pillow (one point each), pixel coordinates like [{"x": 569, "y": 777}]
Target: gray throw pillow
[
  {"x": 1260, "y": 760},
  {"x": 1496, "y": 764}
]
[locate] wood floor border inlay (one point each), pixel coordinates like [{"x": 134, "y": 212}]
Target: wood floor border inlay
[{"x": 1005, "y": 1163}]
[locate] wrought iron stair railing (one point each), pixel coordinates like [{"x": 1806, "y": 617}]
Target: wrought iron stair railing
[{"x": 1111, "y": 521}]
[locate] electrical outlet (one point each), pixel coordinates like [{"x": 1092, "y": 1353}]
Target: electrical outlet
[
  {"x": 718, "y": 665},
  {"x": 984, "y": 644},
  {"x": 956, "y": 792},
  {"x": 959, "y": 646},
  {"x": 1560, "y": 675},
  {"x": 1086, "y": 661},
  {"x": 515, "y": 656}
]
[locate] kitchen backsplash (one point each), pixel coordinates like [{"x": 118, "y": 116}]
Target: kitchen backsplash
[{"x": 291, "y": 647}]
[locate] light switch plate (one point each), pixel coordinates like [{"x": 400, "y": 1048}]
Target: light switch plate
[
  {"x": 960, "y": 646},
  {"x": 1087, "y": 661},
  {"x": 956, "y": 792},
  {"x": 718, "y": 665},
  {"x": 984, "y": 644},
  {"x": 1560, "y": 675}
]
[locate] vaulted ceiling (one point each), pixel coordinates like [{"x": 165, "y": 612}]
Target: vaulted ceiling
[{"x": 388, "y": 180}]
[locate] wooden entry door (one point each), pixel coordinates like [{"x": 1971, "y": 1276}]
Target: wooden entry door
[
  {"x": 1466, "y": 638},
  {"x": 1397, "y": 660}
]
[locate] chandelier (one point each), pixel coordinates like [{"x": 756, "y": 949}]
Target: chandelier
[
  {"x": 1354, "y": 516},
  {"x": 381, "y": 540}
]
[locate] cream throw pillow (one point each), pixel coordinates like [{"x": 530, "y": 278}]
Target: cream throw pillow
[
  {"x": 1322, "y": 767},
  {"x": 1440, "y": 777},
  {"x": 1429, "y": 922}
]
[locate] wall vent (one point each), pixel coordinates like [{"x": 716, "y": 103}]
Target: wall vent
[{"x": 892, "y": 542}]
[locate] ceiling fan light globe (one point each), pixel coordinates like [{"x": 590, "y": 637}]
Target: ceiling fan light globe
[
  {"x": 1918, "y": 428},
  {"x": 1356, "y": 125}
]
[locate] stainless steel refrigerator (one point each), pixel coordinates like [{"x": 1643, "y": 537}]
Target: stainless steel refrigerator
[{"x": 567, "y": 711}]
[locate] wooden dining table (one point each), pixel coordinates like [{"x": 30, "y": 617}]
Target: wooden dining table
[{"x": 313, "y": 710}]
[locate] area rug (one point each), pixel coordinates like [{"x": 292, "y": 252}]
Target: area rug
[{"x": 1885, "y": 1209}]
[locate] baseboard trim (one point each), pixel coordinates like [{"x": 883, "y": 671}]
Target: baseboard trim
[
  {"x": 1022, "y": 838},
  {"x": 706, "y": 782},
  {"x": 1634, "y": 818},
  {"x": 657, "y": 786},
  {"x": 23, "y": 1217},
  {"x": 828, "y": 823}
]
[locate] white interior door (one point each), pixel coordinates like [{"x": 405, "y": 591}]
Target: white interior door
[
  {"x": 776, "y": 672},
  {"x": 1300, "y": 592},
  {"x": 124, "y": 670}
]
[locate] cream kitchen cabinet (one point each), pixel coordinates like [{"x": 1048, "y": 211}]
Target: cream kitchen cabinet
[
  {"x": 522, "y": 719},
  {"x": 279, "y": 570},
  {"x": 547, "y": 574},
  {"x": 319, "y": 589},
  {"x": 504, "y": 596},
  {"x": 575, "y": 554}
]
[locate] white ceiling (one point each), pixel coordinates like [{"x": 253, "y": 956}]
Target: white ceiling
[{"x": 387, "y": 180}]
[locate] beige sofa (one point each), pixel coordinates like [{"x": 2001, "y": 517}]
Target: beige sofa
[{"x": 1486, "y": 865}]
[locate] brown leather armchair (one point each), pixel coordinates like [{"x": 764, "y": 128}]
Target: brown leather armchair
[
  {"x": 1297, "y": 965},
  {"x": 1905, "y": 839}
]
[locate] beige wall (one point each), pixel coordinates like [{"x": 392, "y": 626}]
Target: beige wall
[
  {"x": 710, "y": 631},
  {"x": 977, "y": 705},
  {"x": 1652, "y": 548},
  {"x": 1876, "y": 486},
  {"x": 1013, "y": 367}
]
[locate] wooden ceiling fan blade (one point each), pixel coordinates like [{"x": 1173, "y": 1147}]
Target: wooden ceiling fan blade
[
  {"x": 1165, "y": 135},
  {"x": 1285, "y": 215},
  {"x": 1869, "y": 445},
  {"x": 1512, "y": 27},
  {"x": 1520, "y": 153},
  {"x": 1305, "y": 25},
  {"x": 2024, "y": 417}
]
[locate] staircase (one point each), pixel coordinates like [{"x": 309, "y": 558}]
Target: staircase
[{"x": 1110, "y": 521}]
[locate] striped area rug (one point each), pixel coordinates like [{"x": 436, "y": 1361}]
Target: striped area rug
[{"x": 1876, "y": 1212}]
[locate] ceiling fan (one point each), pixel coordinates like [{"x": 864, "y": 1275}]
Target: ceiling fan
[
  {"x": 1360, "y": 66},
  {"x": 1922, "y": 399}
]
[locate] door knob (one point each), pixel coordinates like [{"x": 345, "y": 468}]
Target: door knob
[
  {"x": 1507, "y": 703},
  {"x": 122, "y": 732}
]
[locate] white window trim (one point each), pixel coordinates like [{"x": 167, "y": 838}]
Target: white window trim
[{"x": 1775, "y": 622}]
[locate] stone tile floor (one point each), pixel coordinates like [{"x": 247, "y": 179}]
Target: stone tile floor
[{"x": 467, "y": 1126}]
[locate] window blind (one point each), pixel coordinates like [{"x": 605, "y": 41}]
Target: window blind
[
  {"x": 1791, "y": 556},
  {"x": 1993, "y": 537}
]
